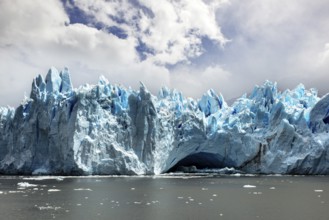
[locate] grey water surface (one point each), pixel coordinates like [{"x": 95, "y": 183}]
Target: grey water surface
[{"x": 165, "y": 197}]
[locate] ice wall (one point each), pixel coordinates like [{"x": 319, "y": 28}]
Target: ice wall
[{"x": 108, "y": 129}]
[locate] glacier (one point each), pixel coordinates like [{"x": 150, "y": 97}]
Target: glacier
[{"x": 108, "y": 129}]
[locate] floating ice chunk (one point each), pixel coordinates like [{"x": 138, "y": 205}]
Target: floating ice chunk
[
  {"x": 54, "y": 190},
  {"x": 82, "y": 189},
  {"x": 25, "y": 185},
  {"x": 59, "y": 178},
  {"x": 249, "y": 186},
  {"x": 18, "y": 191},
  {"x": 49, "y": 207}
]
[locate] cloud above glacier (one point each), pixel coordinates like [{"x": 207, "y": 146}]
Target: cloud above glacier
[
  {"x": 166, "y": 32},
  {"x": 226, "y": 45}
]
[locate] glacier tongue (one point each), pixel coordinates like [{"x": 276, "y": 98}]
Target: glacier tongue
[{"x": 108, "y": 129}]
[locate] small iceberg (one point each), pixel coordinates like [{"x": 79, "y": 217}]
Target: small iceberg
[{"x": 249, "y": 186}]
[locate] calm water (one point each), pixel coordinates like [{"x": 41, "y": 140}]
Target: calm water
[{"x": 272, "y": 197}]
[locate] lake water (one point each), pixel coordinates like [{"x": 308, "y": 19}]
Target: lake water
[{"x": 166, "y": 197}]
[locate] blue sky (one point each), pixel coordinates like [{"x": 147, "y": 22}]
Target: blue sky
[{"x": 192, "y": 46}]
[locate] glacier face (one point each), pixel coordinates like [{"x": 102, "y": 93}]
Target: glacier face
[{"x": 108, "y": 129}]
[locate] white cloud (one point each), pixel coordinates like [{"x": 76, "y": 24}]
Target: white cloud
[
  {"x": 171, "y": 29},
  {"x": 276, "y": 40},
  {"x": 24, "y": 22}
]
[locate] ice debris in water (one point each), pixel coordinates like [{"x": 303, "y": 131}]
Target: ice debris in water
[
  {"x": 58, "y": 178},
  {"x": 26, "y": 184},
  {"x": 49, "y": 207},
  {"x": 54, "y": 190},
  {"x": 249, "y": 186},
  {"x": 109, "y": 129},
  {"x": 82, "y": 189}
]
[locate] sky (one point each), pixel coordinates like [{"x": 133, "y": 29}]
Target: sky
[{"x": 192, "y": 46}]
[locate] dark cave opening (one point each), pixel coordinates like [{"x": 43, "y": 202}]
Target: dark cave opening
[
  {"x": 200, "y": 160},
  {"x": 326, "y": 120}
]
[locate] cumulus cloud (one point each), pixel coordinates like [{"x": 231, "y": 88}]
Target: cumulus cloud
[{"x": 171, "y": 30}]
